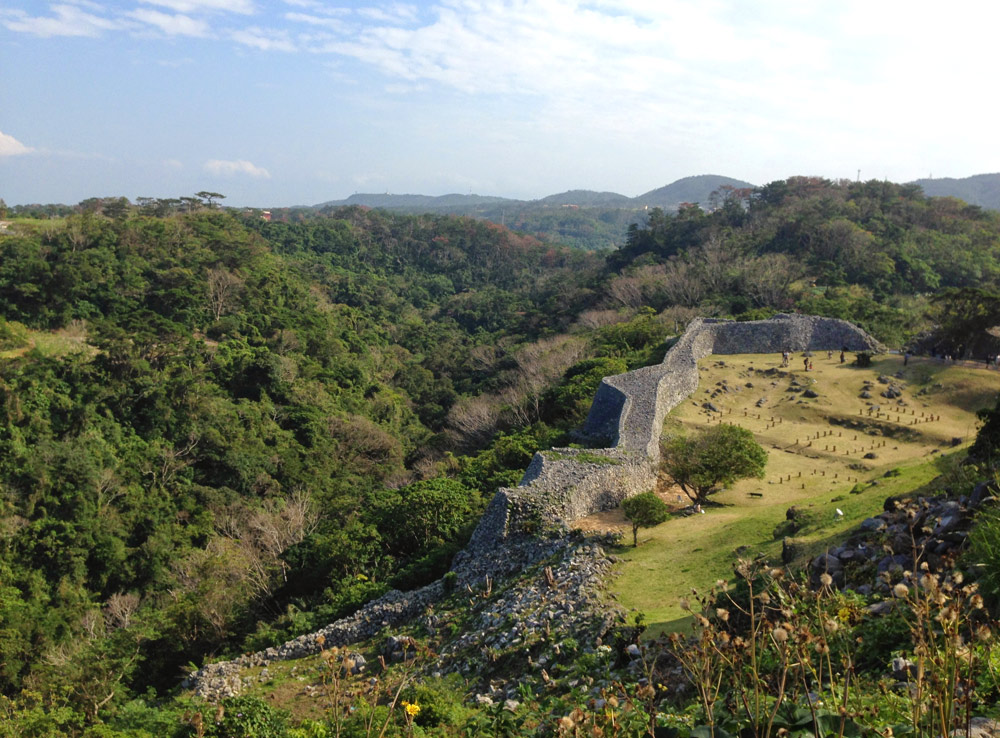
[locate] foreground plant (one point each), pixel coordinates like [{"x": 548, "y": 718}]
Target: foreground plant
[
  {"x": 948, "y": 625},
  {"x": 774, "y": 657}
]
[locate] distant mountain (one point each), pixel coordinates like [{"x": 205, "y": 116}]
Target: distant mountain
[
  {"x": 427, "y": 203},
  {"x": 980, "y": 189},
  {"x": 689, "y": 189},
  {"x": 583, "y": 218},
  {"x": 588, "y": 199}
]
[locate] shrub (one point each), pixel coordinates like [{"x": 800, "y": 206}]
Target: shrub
[
  {"x": 982, "y": 558},
  {"x": 250, "y": 717},
  {"x": 12, "y": 335}
]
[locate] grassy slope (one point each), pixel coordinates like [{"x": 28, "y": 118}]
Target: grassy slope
[
  {"x": 53, "y": 343},
  {"x": 688, "y": 552}
]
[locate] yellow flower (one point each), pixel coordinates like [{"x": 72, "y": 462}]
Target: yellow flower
[{"x": 412, "y": 708}]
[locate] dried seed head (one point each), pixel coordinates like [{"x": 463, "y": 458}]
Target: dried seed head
[
  {"x": 685, "y": 605},
  {"x": 900, "y": 590},
  {"x": 722, "y": 613},
  {"x": 825, "y": 579},
  {"x": 779, "y": 634}
]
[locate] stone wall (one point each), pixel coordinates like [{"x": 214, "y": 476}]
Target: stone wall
[{"x": 627, "y": 414}]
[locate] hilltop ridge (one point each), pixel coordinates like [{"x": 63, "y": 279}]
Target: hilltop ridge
[{"x": 696, "y": 189}]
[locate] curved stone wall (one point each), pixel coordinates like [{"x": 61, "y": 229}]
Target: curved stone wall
[{"x": 627, "y": 414}]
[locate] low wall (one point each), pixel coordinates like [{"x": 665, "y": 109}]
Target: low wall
[{"x": 627, "y": 414}]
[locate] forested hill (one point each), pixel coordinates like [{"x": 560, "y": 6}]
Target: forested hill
[
  {"x": 213, "y": 428},
  {"x": 979, "y": 189},
  {"x": 218, "y": 432},
  {"x": 882, "y": 255},
  {"x": 582, "y": 218}
]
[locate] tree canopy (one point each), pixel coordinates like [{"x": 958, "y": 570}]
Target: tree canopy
[
  {"x": 713, "y": 459},
  {"x": 644, "y": 510}
]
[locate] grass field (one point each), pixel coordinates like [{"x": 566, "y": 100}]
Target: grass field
[
  {"x": 64, "y": 341},
  {"x": 825, "y": 452}
]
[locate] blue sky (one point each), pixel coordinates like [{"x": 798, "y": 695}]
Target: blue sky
[{"x": 283, "y": 102}]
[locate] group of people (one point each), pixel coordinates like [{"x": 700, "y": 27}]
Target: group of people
[{"x": 807, "y": 364}]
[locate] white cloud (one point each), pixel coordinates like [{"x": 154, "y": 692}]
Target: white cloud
[
  {"x": 394, "y": 13},
  {"x": 172, "y": 25},
  {"x": 239, "y": 167},
  {"x": 258, "y": 38},
  {"x": 10, "y": 146},
  {"x": 172, "y": 164},
  {"x": 336, "y": 24},
  {"x": 244, "y": 7},
  {"x": 67, "y": 20}
]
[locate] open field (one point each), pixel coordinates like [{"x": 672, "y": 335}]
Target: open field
[
  {"x": 71, "y": 339},
  {"x": 826, "y": 452}
]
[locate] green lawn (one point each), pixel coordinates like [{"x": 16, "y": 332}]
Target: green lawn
[{"x": 816, "y": 453}]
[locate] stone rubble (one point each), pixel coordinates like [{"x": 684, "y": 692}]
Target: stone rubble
[{"x": 933, "y": 529}]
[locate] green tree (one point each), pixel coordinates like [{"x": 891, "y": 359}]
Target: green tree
[
  {"x": 209, "y": 197},
  {"x": 713, "y": 460},
  {"x": 645, "y": 511}
]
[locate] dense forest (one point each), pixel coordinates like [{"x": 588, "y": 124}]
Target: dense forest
[{"x": 217, "y": 432}]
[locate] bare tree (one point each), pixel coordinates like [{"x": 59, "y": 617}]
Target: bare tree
[
  {"x": 119, "y": 609},
  {"x": 541, "y": 363},
  {"x": 224, "y": 288},
  {"x": 473, "y": 421},
  {"x": 278, "y": 525},
  {"x": 598, "y": 318},
  {"x": 627, "y": 291},
  {"x": 767, "y": 279},
  {"x": 684, "y": 285}
]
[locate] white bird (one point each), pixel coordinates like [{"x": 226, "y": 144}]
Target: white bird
[{"x": 840, "y": 513}]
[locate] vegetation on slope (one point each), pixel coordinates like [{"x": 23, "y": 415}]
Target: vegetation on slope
[{"x": 217, "y": 432}]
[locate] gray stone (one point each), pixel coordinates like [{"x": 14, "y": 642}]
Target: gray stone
[{"x": 872, "y": 525}]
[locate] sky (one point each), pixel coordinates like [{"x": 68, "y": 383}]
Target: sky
[{"x": 296, "y": 102}]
